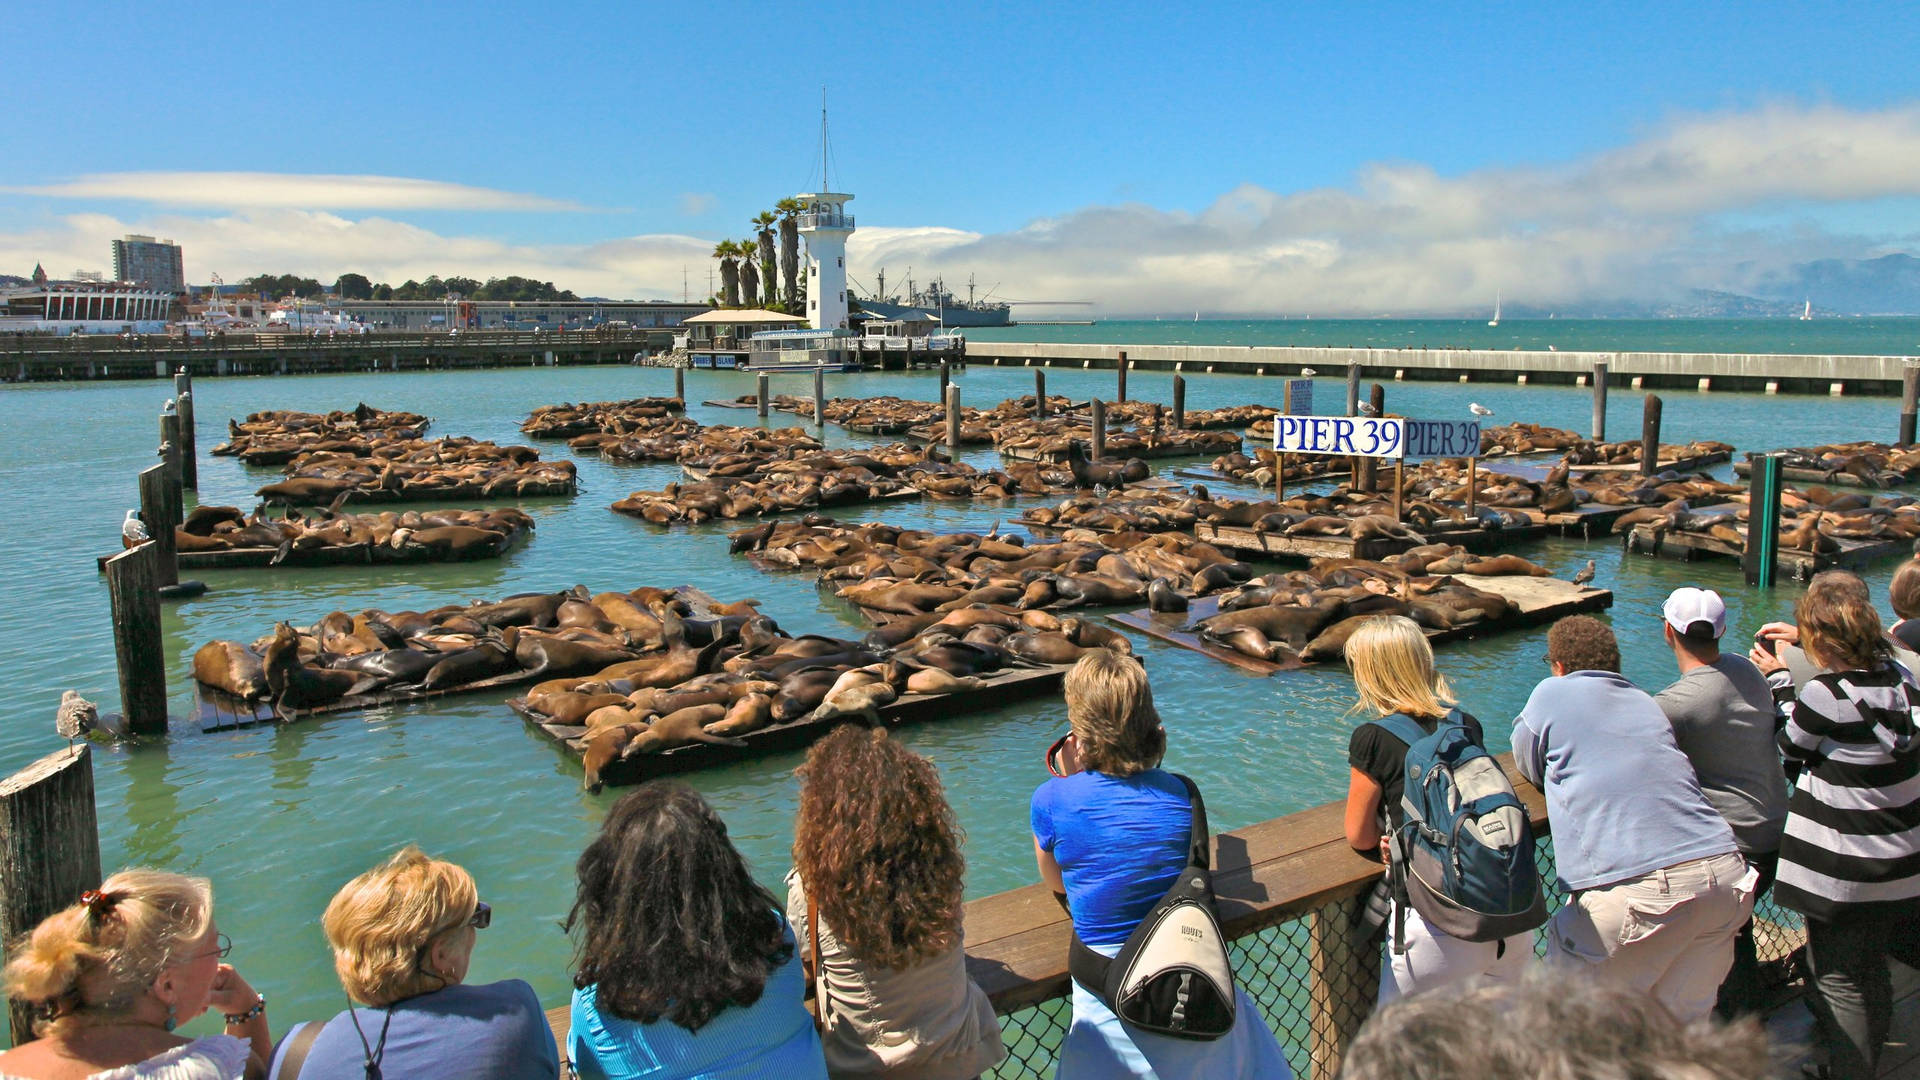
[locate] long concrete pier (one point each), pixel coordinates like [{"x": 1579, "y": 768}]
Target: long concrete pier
[{"x": 1763, "y": 372}]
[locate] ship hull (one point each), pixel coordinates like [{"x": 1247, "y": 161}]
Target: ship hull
[{"x": 954, "y": 317}]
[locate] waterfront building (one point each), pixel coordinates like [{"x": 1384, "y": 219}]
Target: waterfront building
[
  {"x": 85, "y": 307},
  {"x": 718, "y": 338},
  {"x": 153, "y": 264},
  {"x": 825, "y": 223},
  {"x": 453, "y": 313}
]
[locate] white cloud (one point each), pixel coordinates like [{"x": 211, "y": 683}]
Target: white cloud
[
  {"x": 319, "y": 191},
  {"x": 1643, "y": 219},
  {"x": 695, "y": 203}
]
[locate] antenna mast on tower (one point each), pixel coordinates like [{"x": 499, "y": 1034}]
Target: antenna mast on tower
[{"x": 825, "y": 185}]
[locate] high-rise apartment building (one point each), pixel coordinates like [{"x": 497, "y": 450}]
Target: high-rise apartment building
[{"x": 152, "y": 263}]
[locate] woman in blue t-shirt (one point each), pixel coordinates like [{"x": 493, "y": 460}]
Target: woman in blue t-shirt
[
  {"x": 686, "y": 966},
  {"x": 1111, "y": 836}
]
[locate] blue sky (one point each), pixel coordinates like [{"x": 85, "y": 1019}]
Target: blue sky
[{"x": 960, "y": 126}]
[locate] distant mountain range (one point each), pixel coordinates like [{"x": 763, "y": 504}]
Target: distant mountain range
[{"x": 1888, "y": 285}]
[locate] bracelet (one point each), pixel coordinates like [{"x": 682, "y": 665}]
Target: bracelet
[{"x": 259, "y": 1006}]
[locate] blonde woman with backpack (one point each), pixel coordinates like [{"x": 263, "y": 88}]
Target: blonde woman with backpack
[{"x": 1393, "y": 671}]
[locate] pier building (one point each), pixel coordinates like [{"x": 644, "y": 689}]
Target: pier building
[
  {"x": 453, "y": 313},
  {"x": 150, "y": 263},
  {"x": 86, "y": 307}
]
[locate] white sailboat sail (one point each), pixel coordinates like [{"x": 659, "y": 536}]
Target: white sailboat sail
[{"x": 1495, "y": 321}]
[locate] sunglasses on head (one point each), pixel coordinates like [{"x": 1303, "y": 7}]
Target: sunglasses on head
[
  {"x": 482, "y": 915},
  {"x": 1055, "y": 752}
]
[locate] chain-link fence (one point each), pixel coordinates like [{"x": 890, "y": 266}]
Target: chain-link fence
[{"x": 1315, "y": 985}]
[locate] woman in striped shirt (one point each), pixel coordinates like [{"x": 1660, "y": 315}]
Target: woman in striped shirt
[{"x": 1850, "y": 860}]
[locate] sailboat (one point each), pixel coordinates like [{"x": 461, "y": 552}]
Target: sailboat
[
  {"x": 1495, "y": 321},
  {"x": 1196, "y": 316},
  {"x": 1806, "y": 313}
]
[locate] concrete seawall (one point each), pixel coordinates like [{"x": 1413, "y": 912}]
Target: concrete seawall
[{"x": 1762, "y": 372}]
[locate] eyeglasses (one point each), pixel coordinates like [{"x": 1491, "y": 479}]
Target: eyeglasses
[
  {"x": 482, "y": 915},
  {"x": 221, "y": 950},
  {"x": 1548, "y": 657}
]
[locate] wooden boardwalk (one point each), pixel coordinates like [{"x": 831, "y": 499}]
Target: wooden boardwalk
[
  {"x": 1275, "y": 546},
  {"x": 1688, "y": 545}
]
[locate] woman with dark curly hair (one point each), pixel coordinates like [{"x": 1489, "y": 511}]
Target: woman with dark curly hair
[
  {"x": 685, "y": 966},
  {"x": 876, "y": 884}
]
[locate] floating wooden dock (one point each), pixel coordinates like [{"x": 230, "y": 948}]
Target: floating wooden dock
[
  {"x": 1538, "y": 599},
  {"x": 1744, "y": 469},
  {"x": 1275, "y": 546},
  {"x": 1689, "y": 545},
  {"x": 335, "y": 555},
  {"x": 1686, "y": 464},
  {"x": 797, "y": 734},
  {"x": 1112, "y": 454},
  {"x": 219, "y": 711},
  {"x": 453, "y": 493}
]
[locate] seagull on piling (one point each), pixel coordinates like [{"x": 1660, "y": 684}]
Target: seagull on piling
[
  {"x": 1478, "y": 409},
  {"x": 1585, "y": 574},
  {"x": 76, "y": 717},
  {"x": 1307, "y": 373},
  {"x": 133, "y": 531},
  {"x": 1367, "y": 409}
]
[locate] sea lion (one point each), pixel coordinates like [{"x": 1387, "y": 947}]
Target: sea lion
[
  {"x": 1370, "y": 526},
  {"x": 1500, "y": 565},
  {"x": 936, "y": 681},
  {"x": 863, "y": 700},
  {"x": 544, "y": 654},
  {"x": 801, "y": 692},
  {"x": 749, "y": 713},
  {"x": 1331, "y": 644},
  {"x": 607, "y": 716},
  {"x": 1044, "y": 648},
  {"x": 1091, "y": 635},
  {"x": 231, "y": 667},
  {"x": 483, "y": 661},
  {"x": 293, "y": 683},
  {"x": 683, "y": 727},
  {"x": 605, "y": 747},
  {"x": 389, "y": 666}
]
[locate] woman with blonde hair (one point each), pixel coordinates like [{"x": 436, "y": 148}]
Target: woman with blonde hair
[
  {"x": 402, "y": 936},
  {"x": 113, "y": 975},
  {"x": 1850, "y": 859},
  {"x": 1111, "y": 834},
  {"x": 1392, "y": 667},
  {"x": 875, "y": 891}
]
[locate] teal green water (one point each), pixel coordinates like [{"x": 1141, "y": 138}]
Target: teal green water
[
  {"x": 279, "y": 817},
  {"x": 1880, "y": 336}
]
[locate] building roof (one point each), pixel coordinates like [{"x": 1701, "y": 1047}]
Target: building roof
[{"x": 737, "y": 316}]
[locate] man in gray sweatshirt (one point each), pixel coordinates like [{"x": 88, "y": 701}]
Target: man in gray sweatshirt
[
  {"x": 1724, "y": 720},
  {"x": 1656, "y": 882}
]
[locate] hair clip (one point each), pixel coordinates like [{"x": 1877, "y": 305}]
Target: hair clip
[{"x": 96, "y": 902}]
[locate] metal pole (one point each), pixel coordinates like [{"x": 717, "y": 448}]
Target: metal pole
[
  {"x": 761, "y": 389},
  {"x": 1761, "y": 560},
  {"x": 1650, "y": 436},
  {"x": 1909, "y": 403},
  {"x": 1179, "y": 403},
  {"x": 1599, "y": 401},
  {"x": 1099, "y": 428}
]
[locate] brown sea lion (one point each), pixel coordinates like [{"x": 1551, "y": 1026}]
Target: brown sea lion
[
  {"x": 682, "y": 727},
  {"x": 1500, "y": 565},
  {"x": 293, "y": 683},
  {"x": 483, "y": 661},
  {"x": 605, "y": 747},
  {"x": 607, "y": 716},
  {"x": 1044, "y": 648},
  {"x": 231, "y": 667},
  {"x": 936, "y": 681},
  {"x": 862, "y": 700},
  {"x": 801, "y": 692},
  {"x": 1331, "y": 643},
  {"x": 749, "y": 713},
  {"x": 1371, "y": 526},
  {"x": 545, "y": 654}
]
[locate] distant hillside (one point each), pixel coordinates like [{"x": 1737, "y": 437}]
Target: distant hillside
[{"x": 1888, "y": 285}]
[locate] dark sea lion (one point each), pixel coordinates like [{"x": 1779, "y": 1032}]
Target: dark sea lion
[
  {"x": 1248, "y": 641},
  {"x": 231, "y": 667},
  {"x": 390, "y": 666},
  {"x": 459, "y": 541},
  {"x": 1292, "y": 624},
  {"x": 1219, "y": 576},
  {"x": 801, "y": 692},
  {"x": 546, "y": 655},
  {"x": 1091, "y": 635},
  {"x": 1331, "y": 643},
  {"x": 294, "y": 684},
  {"x": 483, "y": 661},
  {"x": 202, "y": 519}
]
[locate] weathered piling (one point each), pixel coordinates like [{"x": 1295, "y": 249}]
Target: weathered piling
[
  {"x": 760, "y": 390},
  {"x": 1039, "y": 395},
  {"x": 133, "y": 589},
  {"x": 1099, "y": 449},
  {"x": 1179, "y": 402},
  {"x": 49, "y": 849},
  {"x": 1760, "y": 562},
  {"x": 1121, "y": 370},
  {"x": 1366, "y": 470},
  {"x": 1353, "y": 389},
  {"x": 189, "y": 451},
  {"x": 1650, "y": 436},
  {"x": 160, "y": 512},
  {"x": 1909, "y": 403},
  {"x": 1599, "y": 401},
  {"x": 680, "y": 384},
  {"x": 819, "y": 397},
  {"x": 170, "y": 442},
  {"x": 953, "y": 421},
  {"x": 946, "y": 377}
]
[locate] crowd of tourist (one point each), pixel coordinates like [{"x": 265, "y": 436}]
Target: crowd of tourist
[{"x": 1794, "y": 767}]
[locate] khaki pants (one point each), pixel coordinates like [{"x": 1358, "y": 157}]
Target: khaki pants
[{"x": 1669, "y": 933}]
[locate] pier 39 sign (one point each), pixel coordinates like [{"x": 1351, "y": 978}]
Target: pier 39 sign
[{"x": 1377, "y": 437}]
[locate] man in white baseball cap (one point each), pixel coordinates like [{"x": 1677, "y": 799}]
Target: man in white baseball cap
[{"x": 1722, "y": 714}]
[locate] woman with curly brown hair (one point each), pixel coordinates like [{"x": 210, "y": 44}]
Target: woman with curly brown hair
[
  {"x": 875, "y": 891},
  {"x": 686, "y": 967}
]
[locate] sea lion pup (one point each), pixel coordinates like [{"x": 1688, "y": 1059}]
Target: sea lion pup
[
  {"x": 230, "y": 667},
  {"x": 747, "y": 714}
]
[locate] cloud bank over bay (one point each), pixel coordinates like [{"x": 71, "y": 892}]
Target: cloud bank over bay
[{"x": 1712, "y": 201}]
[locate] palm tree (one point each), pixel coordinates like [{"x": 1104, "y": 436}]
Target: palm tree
[
  {"x": 749, "y": 275},
  {"x": 789, "y": 210},
  {"x": 763, "y": 233},
  {"x": 729, "y": 273}
]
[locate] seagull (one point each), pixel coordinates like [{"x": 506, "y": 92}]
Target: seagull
[
  {"x": 1585, "y": 575},
  {"x": 133, "y": 531},
  {"x": 1367, "y": 409},
  {"x": 76, "y": 717},
  {"x": 1307, "y": 373},
  {"x": 1478, "y": 409}
]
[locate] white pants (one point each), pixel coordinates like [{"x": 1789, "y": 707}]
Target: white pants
[{"x": 1434, "y": 959}]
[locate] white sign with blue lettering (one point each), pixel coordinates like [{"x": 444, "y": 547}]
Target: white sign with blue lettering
[
  {"x": 1299, "y": 397},
  {"x": 1358, "y": 436},
  {"x": 1442, "y": 439}
]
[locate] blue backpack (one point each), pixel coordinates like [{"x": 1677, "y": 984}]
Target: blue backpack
[{"x": 1464, "y": 857}]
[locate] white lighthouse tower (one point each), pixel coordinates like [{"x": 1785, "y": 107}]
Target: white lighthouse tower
[{"x": 825, "y": 223}]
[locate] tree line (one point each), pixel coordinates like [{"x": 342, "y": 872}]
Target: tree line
[{"x": 359, "y": 287}]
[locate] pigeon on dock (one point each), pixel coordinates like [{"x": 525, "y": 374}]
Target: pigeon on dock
[
  {"x": 1585, "y": 574},
  {"x": 1478, "y": 409},
  {"x": 76, "y": 717}
]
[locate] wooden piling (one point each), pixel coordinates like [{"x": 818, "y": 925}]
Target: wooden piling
[
  {"x": 170, "y": 443},
  {"x": 1353, "y": 389},
  {"x": 953, "y": 421},
  {"x": 1179, "y": 403},
  {"x": 680, "y": 385},
  {"x": 1099, "y": 449},
  {"x": 160, "y": 512},
  {"x": 760, "y": 389},
  {"x": 133, "y": 588},
  {"x": 946, "y": 377},
  {"x": 1473, "y": 483},
  {"x": 1039, "y": 394},
  {"x": 49, "y": 849},
  {"x": 1122, "y": 370},
  {"x": 819, "y": 397},
  {"x": 1366, "y": 470},
  {"x": 1599, "y": 401},
  {"x": 1909, "y": 403},
  {"x": 1650, "y": 436},
  {"x": 1760, "y": 562},
  {"x": 189, "y": 453}
]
